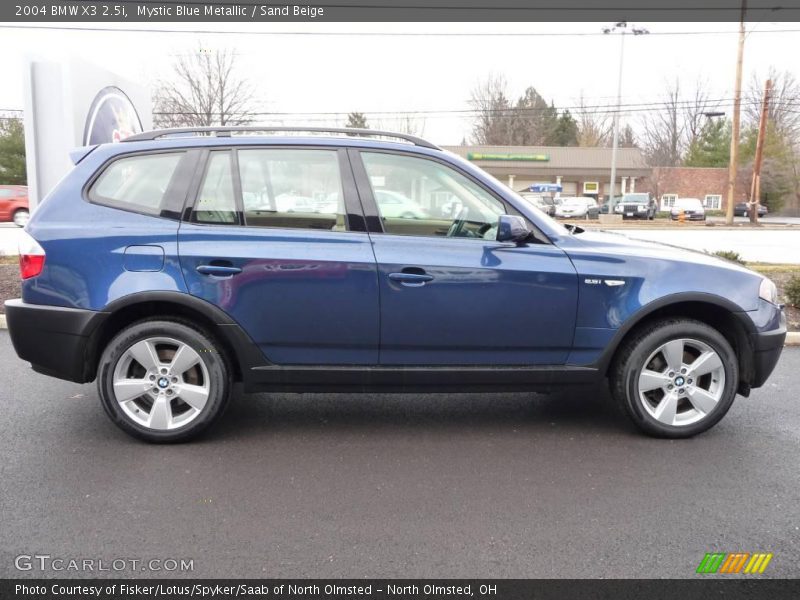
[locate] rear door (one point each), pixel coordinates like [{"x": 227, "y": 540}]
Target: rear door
[{"x": 276, "y": 238}]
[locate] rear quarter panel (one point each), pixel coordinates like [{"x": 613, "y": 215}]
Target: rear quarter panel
[{"x": 85, "y": 246}]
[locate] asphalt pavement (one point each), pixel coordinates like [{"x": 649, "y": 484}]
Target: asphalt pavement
[{"x": 460, "y": 485}]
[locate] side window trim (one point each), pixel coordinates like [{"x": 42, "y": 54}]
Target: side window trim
[{"x": 371, "y": 212}]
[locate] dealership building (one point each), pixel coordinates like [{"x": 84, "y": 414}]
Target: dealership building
[
  {"x": 587, "y": 172},
  {"x": 579, "y": 171}
]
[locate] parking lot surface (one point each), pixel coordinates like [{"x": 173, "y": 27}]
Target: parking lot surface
[{"x": 470, "y": 485}]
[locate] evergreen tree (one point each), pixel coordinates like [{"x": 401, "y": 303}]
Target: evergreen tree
[{"x": 12, "y": 152}]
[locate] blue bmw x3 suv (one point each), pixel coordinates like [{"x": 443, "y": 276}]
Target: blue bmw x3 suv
[{"x": 177, "y": 263}]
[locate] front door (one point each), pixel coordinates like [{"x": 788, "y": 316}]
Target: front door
[
  {"x": 450, "y": 293},
  {"x": 274, "y": 241}
]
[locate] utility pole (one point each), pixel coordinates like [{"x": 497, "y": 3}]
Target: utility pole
[
  {"x": 737, "y": 105},
  {"x": 622, "y": 28},
  {"x": 755, "y": 188}
]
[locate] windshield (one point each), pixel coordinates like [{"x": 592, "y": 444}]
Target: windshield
[
  {"x": 573, "y": 202},
  {"x": 688, "y": 203},
  {"x": 635, "y": 198}
]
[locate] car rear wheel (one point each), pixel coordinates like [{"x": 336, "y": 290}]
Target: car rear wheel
[
  {"x": 21, "y": 217},
  {"x": 163, "y": 381},
  {"x": 675, "y": 378}
]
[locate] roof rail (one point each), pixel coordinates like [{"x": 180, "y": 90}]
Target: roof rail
[{"x": 227, "y": 131}]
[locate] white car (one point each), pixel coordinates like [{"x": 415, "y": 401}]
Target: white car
[
  {"x": 394, "y": 205},
  {"x": 691, "y": 208},
  {"x": 571, "y": 208}
]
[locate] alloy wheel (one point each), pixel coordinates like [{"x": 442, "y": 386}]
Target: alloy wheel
[
  {"x": 161, "y": 383},
  {"x": 681, "y": 382},
  {"x": 21, "y": 218}
]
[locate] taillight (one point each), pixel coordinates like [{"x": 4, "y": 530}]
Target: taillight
[{"x": 31, "y": 256}]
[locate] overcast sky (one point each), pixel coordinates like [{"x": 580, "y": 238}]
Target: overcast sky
[{"x": 314, "y": 73}]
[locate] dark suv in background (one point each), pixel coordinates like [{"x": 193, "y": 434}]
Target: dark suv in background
[{"x": 178, "y": 262}]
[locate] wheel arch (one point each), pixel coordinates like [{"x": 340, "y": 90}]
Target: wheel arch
[
  {"x": 716, "y": 311},
  {"x": 241, "y": 351}
]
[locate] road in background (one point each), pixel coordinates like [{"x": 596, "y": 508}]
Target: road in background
[
  {"x": 459, "y": 485},
  {"x": 754, "y": 245}
]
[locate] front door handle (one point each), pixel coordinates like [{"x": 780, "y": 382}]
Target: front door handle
[
  {"x": 218, "y": 270},
  {"x": 411, "y": 279}
]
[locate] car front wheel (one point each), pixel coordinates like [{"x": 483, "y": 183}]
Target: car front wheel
[
  {"x": 163, "y": 381},
  {"x": 675, "y": 378}
]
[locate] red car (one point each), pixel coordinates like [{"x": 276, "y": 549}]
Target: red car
[{"x": 14, "y": 204}]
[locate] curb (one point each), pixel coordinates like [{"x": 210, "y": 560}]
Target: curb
[{"x": 792, "y": 337}]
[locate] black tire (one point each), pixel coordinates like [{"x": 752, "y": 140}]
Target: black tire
[
  {"x": 219, "y": 374},
  {"x": 628, "y": 364}
]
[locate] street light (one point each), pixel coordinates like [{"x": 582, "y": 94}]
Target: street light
[{"x": 622, "y": 29}]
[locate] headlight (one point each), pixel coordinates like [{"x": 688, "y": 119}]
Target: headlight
[
  {"x": 641, "y": 208},
  {"x": 767, "y": 291},
  {"x": 618, "y": 208}
]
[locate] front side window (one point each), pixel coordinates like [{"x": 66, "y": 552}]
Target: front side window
[
  {"x": 416, "y": 196},
  {"x": 137, "y": 183},
  {"x": 292, "y": 188}
]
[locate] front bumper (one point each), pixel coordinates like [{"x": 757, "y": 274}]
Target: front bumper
[
  {"x": 766, "y": 341},
  {"x": 767, "y": 348},
  {"x": 54, "y": 339}
]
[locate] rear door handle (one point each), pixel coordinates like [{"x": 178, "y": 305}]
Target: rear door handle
[
  {"x": 411, "y": 279},
  {"x": 218, "y": 270}
]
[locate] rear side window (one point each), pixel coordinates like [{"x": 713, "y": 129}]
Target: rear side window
[
  {"x": 292, "y": 188},
  {"x": 216, "y": 201},
  {"x": 138, "y": 183}
]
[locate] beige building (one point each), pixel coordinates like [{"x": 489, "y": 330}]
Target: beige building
[{"x": 579, "y": 171}]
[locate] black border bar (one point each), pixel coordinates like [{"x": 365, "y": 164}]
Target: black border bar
[{"x": 202, "y": 11}]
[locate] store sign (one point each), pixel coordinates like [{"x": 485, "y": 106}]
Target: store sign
[
  {"x": 591, "y": 187},
  {"x": 508, "y": 156},
  {"x": 545, "y": 187},
  {"x": 111, "y": 118}
]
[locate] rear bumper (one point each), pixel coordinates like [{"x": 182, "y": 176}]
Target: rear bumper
[{"x": 54, "y": 339}]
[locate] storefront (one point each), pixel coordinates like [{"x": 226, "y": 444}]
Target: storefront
[{"x": 578, "y": 171}]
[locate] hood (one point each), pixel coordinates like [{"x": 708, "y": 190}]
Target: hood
[{"x": 616, "y": 244}]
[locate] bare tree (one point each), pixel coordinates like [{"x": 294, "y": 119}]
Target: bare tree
[
  {"x": 412, "y": 125},
  {"x": 594, "y": 126},
  {"x": 489, "y": 100},
  {"x": 663, "y": 131},
  {"x": 204, "y": 89},
  {"x": 695, "y": 112},
  {"x": 783, "y": 102}
]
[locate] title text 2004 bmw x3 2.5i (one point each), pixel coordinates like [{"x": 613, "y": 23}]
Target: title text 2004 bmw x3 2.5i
[{"x": 176, "y": 263}]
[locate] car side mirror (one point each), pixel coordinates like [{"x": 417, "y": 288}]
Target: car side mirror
[{"x": 511, "y": 228}]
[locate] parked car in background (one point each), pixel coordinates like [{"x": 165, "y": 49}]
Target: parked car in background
[
  {"x": 185, "y": 286},
  {"x": 543, "y": 203},
  {"x": 577, "y": 208},
  {"x": 14, "y": 204},
  {"x": 398, "y": 206},
  {"x": 691, "y": 208},
  {"x": 636, "y": 206},
  {"x": 742, "y": 209}
]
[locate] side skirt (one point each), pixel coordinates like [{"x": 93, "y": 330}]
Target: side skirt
[{"x": 303, "y": 378}]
